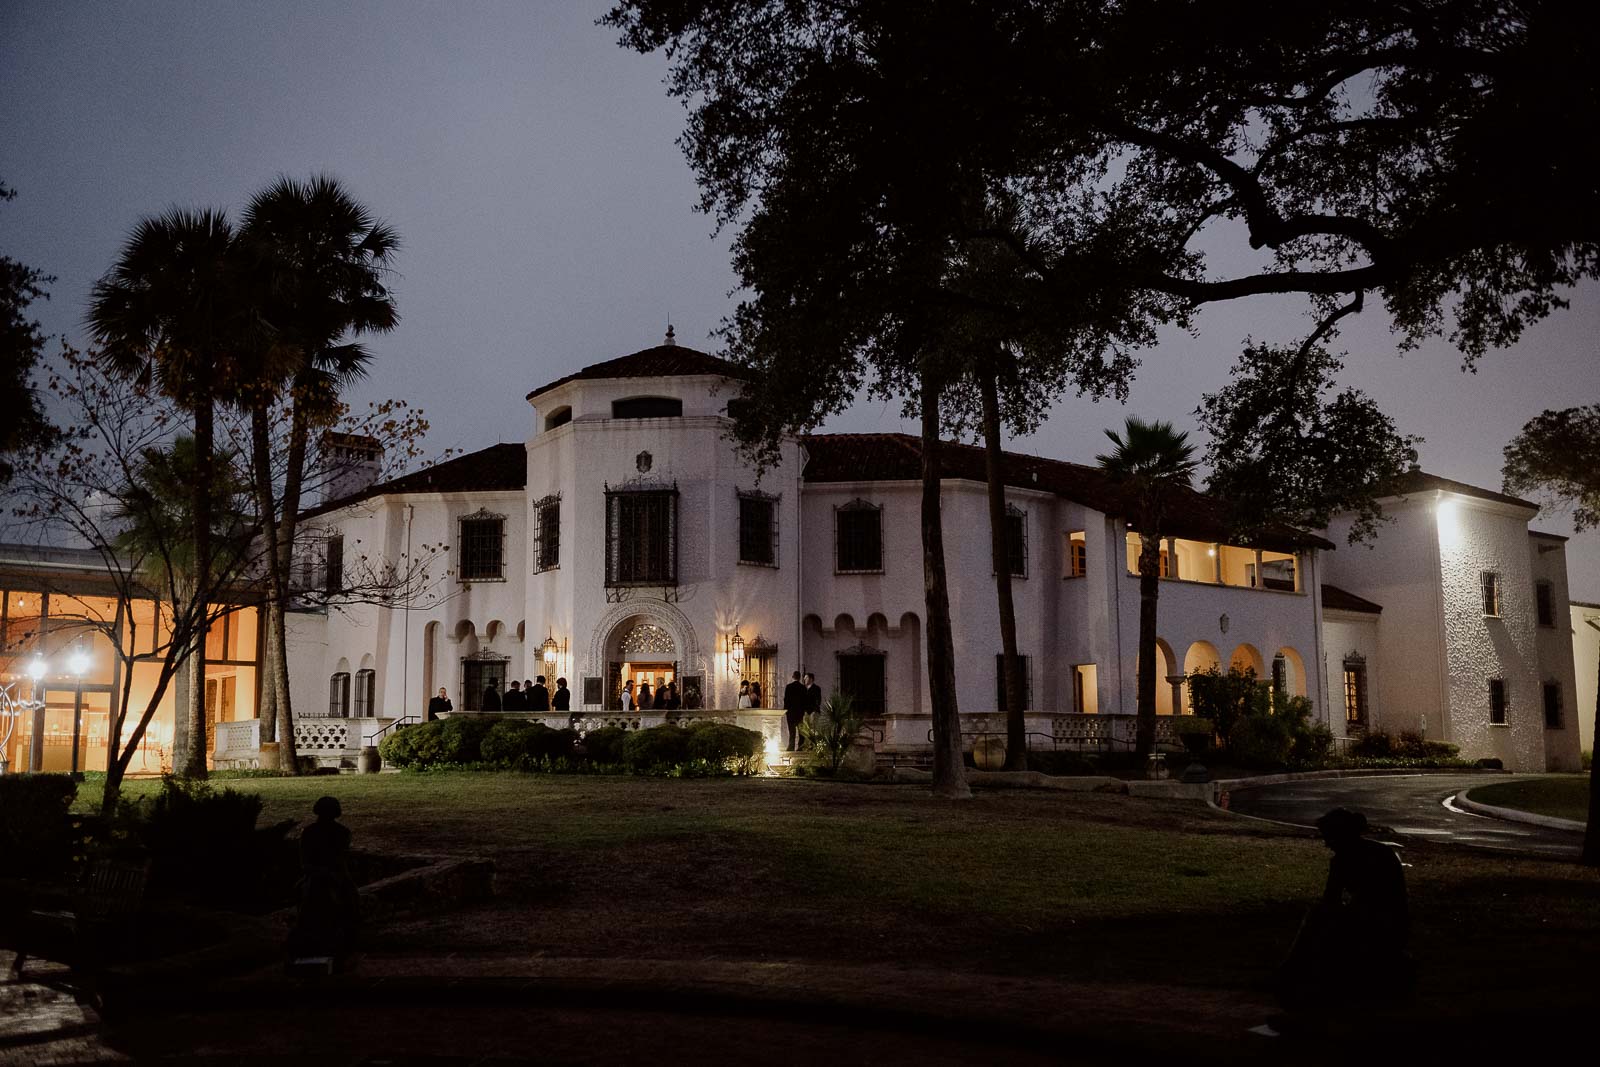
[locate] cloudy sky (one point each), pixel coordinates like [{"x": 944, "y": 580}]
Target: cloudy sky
[{"x": 531, "y": 167}]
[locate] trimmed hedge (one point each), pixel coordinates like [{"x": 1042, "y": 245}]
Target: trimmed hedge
[
  {"x": 722, "y": 746},
  {"x": 458, "y": 739},
  {"x": 520, "y": 743},
  {"x": 659, "y": 749},
  {"x": 604, "y": 746}
]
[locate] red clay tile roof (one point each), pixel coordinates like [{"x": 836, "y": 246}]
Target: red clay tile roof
[
  {"x": 873, "y": 457},
  {"x": 1423, "y": 482},
  {"x": 496, "y": 468},
  {"x": 662, "y": 361},
  {"x": 1336, "y": 599}
]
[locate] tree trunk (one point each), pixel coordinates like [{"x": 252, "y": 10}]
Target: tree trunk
[
  {"x": 267, "y": 512},
  {"x": 1011, "y": 669},
  {"x": 194, "y": 753},
  {"x": 1149, "y": 592},
  {"x": 267, "y": 705},
  {"x": 288, "y": 755},
  {"x": 949, "y": 776},
  {"x": 288, "y": 527},
  {"x": 1591, "y": 833}
]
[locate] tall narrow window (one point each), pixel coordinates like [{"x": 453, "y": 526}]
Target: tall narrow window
[
  {"x": 1077, "y": 554},
  {"x": 858, "y": 538},
  {"x": 861, "y": 677},
  {"x": 642, "y": 537},
  {"x": 1280, "y": 675},
  {"x": 1491, "y": 593},
  {"x": 339, "y": 695},
  {"x": 1086, "y": 689},
  {"x": 1552, "y": 705},
  {"x": 333, "y": 566},
  {"x": 758, "y": 530},
  {"x": 1546, "y": 601},
  {"x": 366, "y": 684},
  {"x": 482, "y": 547},
  {"x": 1497, "y": 702},
  {"x": 1355, "y": 691},
  {"x": 1017, "y": 541},
  {"x": 1000, "y": 682},
  {"x": 547, "y": 533}
]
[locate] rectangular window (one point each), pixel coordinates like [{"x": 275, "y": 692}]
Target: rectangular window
[
  {"x": 1355, "y": 692},
  {"x": 482, "y": 549},
  {"x": 1077, "y": 555},
  {"x": 547, "y": 533},
  {"x": 1552, "y": 705},
  {"x": 858, "y": 538},
  {"x": 1546, "y": 602},
  {"x": 861, "y": 677},
  {"x": 642, "y": 537},
  {"x": 366, "y": 683},
  {"x": 339, "y": 695},
  {"x": 1491, "y": 593},
  {"x": 1497, "y": 702},
  {"x": 758, "y": 530},
  {"x": 1136, "y": 546},
  {"x": 1000, "y": 682},
  {"x": 1017, "y": 541},
  {"x": 333, "y": 566},
  {"x": 478, "y": 675}
]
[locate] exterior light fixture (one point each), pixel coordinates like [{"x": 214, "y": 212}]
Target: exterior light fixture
[
  {"x": 550, "y": 650},
  {"x": 36, "y": 668},
  {"x": 735, "y": 652},
  {"x": 79, "y": 662}
]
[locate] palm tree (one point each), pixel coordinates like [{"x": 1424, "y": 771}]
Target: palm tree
[
  {"x": 169, "y": 311},
  {"x": 1154, "y": 462},
  {"x": 318, "y": 258}
]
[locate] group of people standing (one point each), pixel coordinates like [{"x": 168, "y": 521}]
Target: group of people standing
[
  {"x": 801, "y": 697},
  {"x": 530, "y": 696},
  {"x": 663, "y": 698}
]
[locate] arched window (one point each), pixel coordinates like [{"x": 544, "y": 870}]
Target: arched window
[{"x": 339, "y": 695}]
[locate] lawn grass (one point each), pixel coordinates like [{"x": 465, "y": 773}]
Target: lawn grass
[
  {"x": 1089, "y": 887},
  {"x": 1564, "y": 797}
]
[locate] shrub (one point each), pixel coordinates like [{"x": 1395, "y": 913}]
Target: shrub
[
  {"x": 203, "y": 843},
  {"x": 1261, "y": 741},
  {"x": 725, "y": 747},
  {"x": 458, "y": 739},
  {"x": 37, "y": 831},
  {"x": 399, "y": 747},
  {"x": 1062, "y": 764},
  {"x": 830, "y": 732},
  {"x": 604, "y": 745},
  {"x": 526, "y": 745},
  {"x": 655, "y": 750},
  {"x": 1408, "y": 746},
  {"x": 1225, "y": 699}
]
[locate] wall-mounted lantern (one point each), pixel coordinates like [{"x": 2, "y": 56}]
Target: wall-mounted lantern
[{"x": 735, "y": 652}]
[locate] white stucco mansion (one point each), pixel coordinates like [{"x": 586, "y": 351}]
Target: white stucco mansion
[{"x": 626, "y": 539}]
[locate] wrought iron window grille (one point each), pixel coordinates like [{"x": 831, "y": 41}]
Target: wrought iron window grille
[
  {"x": 642, "y": 537},
  {"x": 858, "y": 538},
  {"x": 758, "y": 529},
  {"x": 481, "y": 547},
  {"x": 547, "y": 533}
]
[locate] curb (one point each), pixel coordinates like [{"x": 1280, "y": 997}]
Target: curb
[{"x": 1513, "y": 815}]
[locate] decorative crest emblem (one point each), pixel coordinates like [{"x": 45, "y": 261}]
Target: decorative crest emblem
[{"x": 643, "y": 461}]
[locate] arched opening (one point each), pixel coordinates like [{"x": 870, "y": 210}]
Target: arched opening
[
  {"x": 1202, "y": 656},
  {"x": 1248, "y": 657},
  {"x": 431, "y": 681},
  {"x": 559, "y": 417},
  {"x": 643, "y": 652},
  {"x": 1166, "y": 668},
  {"x": 1289, "y": 673}
]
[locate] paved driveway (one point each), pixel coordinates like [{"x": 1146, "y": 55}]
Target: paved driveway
[{"x": 1410, "y": 805}]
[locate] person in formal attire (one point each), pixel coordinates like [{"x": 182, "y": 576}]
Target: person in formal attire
[
  {"x": 539, "y": 696},
  {"x": 755, "y": 694},
  {"x": 513, "y": 700},
  {"x": 813, "y": 695},
  {"x": 794, "y": 709},
  {"x": 562, "y": 698},
  {"x": 744, "y": 695},
  {"x": 491, "y": 697},
  {"x": 660, "y": 703},
  {"x": 439, "y": 705},
  {"x": 643, "y": 700},
  {"x": 627, "y": 695},
  {"x": 673, "y": 702}
]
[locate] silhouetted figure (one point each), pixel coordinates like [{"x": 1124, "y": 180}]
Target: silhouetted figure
[
  {"x": 1352, "y": 946},
  {"x": 795, "y": 700},
  {"x": 329, "y": 910},
  {"x": 643, "y": 699},
  {"x": 514, "y": 700},
  {"x": 491, "y": 698},
  {"x": 539, "y": 696},
  {"x": 755, "y": 694},
  {"x": 439, "y": 705},
  {"x": 561, "y": 700}
]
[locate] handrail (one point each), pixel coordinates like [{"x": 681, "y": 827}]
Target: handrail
[{"x": 404, "y": 720}]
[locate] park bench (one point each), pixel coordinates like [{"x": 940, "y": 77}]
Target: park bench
[{"x": 95, "y": 930}]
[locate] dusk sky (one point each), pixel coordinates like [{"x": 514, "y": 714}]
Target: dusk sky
[{"x": 547, "y": 214}]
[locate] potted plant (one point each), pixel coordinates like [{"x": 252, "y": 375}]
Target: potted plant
[{"x": 1195, "y": 731}]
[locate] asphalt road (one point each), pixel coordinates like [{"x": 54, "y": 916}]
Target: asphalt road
[{"x": 1411, "y": 807}]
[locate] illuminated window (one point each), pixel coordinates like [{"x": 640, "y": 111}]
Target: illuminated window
[
  {"x": 1077, "y": 555},
  {"x": 1355, "y": 691}
]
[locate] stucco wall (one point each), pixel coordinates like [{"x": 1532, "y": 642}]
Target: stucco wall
[
  {"x": 1547, "y": 562},
  {"x": 1586, "y": 663},
  {"x": 1346, "y": 634}
]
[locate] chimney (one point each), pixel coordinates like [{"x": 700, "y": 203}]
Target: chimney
[{"x": 351, "y": 464}]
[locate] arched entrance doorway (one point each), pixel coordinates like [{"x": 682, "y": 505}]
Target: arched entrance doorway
[{"x": 642, "y": 651}]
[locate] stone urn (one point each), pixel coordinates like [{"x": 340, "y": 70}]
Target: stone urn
[
  {"x": 268, "y": 759},
  {"x": 989, "y": 753},
  {"x": 370, "y": 762}
]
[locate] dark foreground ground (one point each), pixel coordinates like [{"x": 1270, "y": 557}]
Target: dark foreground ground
[{"x": 798, "y": 922}]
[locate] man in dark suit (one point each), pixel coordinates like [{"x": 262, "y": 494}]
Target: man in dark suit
[
  {"x": 794, "y": 709},
  {"x": 561, "y": 699},
  {"x": 491, "y": 698},
  {"x": 439, "y": 705},
  {"x": 513, "y": 700},
  {"x": 813, "y": 694},
  {"x": 538, "y": 698}
]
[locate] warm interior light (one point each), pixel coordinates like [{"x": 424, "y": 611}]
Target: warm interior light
[
  {"x": 550, "y": 649},
  {"x": 79, "y": 662},
  {"x": 36, "y": 669},
  {"x": 1211, "y": 552}
]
